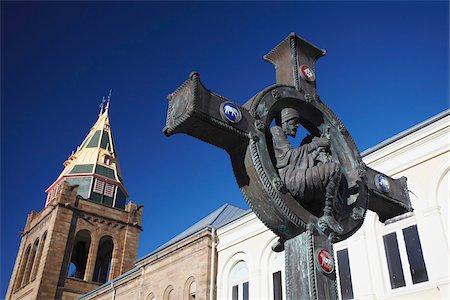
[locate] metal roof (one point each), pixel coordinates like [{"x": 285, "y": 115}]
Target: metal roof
[{"x": 218, "y": 218}]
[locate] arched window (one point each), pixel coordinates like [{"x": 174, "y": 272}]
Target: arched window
[
  {"x": 151, "y": 296},
  {"x": 239, "y": 283},
  {"x": 169, "y": 293},
  {"x": 30, "y": 263},
  {"x": 23, "y": 264},
  {"x": 276, "y": 273},
  {"x": 190, "y": 289},
  {"x": 103, "y": 260},
  {"x": 80, "y": 253},
  {"x": 38, "y": 257}
]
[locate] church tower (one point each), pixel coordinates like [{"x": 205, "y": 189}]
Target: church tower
[{"x": 86, "y": 234}]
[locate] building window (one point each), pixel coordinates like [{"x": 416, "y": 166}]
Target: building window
[
  {"x": 23, "y": 264},
  {"x": 275, "y": 278},
  {"x": 245, "y": 291},
  {"x": 30, "y": 263},
  {"x": 393, "y": 260},
  {"x": 399, "y": 260},
  {"x": 235, "y": 292},
  {"x": 78, "y": 260},
  {"x": 107, "y": 160},
  {"x": 415, "y": 256},
  {"x": 192, "y": 291},
  {"x": 38, "y": 257},
  {"x": 345, "y": 277},
  {"x": 169, "y": 293},
  {"x": 99, "y": 186},
  {"x": 277, "y": 286},
  {"x": 103, "y": 261},
  {"x": 109, "y": 190},
  {"x": 103, "y": 192},
  {"x": 239, "y": 281}
]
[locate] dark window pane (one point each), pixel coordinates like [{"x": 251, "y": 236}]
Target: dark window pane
[
  {"x": 104, "y": 171},
  {"x": 415, "y": 256},
  {"x": 120, "y": 199},
  {"x": 94, "y": 140},
  {"x": 105, "y": 141},
  {"x": 345, "y": 276},
  {"x": 107, "y": 200},
  {"x": 234, "y": 293},
  {"x": 277, "y": 286},
  {"x": 77, "y": 169},
  {"x": 96, "y": 197},
  {"x": 393, "y": 260},
  {"x": 245, "y": 288}
]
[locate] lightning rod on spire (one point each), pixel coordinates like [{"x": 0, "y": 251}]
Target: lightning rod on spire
[
  {"x": 109, "y": 98},
  {"x": 102, "y": 104}
]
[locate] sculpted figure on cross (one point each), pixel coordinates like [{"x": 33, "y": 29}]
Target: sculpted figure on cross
[{"x": 309, "y": 172}]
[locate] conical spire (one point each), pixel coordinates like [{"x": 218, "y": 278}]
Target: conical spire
[{"x": 94, "y": 166}]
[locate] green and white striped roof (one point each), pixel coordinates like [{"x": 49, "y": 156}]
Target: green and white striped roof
[{"x": 97, "y": 153}]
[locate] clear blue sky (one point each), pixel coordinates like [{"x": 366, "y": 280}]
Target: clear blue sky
[{"x": 386, "y": 69}]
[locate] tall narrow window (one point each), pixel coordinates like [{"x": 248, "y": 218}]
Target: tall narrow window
[
  {"x": 393, "y": 260},
  {"x": 235, "y": 292},
  {"x": 109, "y": 189},
  {"x": 277, "y": 286},
  {"x": 245, "y": 291},
  {"x": 169, "y": 293},
  {"x": 192, "y": 291},
  {"x": 103, "y": 261},
  {"x": 415, "y": 257},
  {"x": 30, "y": 262},
  {"x": 80, "y": 251},
  {"x": 38, "y": 257},
  {"x": 345, "y": 276},
  {"x": 400, "y": 261},
  {"x": 23, "y": 265},
  {"x": 98, "y": 186}
]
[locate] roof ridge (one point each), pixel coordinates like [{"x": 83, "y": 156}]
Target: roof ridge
[
  {"x": 406, "y": 132},
  {"x": 222, "y": 209}
]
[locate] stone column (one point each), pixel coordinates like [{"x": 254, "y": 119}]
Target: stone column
[{"x": 90, "y": 264}]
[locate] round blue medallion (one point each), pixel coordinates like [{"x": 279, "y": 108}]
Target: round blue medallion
[
  {"x": 382, "y": 183},
  {"x": 231, "y": 112}
]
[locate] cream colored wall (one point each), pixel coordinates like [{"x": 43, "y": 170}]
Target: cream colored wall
[
  {"x": 247, "y": 239},
  {"x": 424, "y": 158}
]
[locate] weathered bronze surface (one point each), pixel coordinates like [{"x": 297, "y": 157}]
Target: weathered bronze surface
[{"x": 310, "y": 196}]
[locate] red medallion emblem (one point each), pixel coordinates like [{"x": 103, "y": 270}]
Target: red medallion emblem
[
  {"x": 325, "y": 261},
  {"x": 307, "y": 73}
]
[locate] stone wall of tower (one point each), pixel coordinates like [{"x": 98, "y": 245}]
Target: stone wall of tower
[{"x": 45, "y": 276}]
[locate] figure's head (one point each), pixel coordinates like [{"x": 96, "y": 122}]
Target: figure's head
[{"x": 289, "y": 121}]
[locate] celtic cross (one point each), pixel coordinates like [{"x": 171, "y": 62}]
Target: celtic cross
[{"x": 244, "y": 132}]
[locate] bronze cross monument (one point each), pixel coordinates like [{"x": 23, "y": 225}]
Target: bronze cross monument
[{"x": 310, "y": 196}]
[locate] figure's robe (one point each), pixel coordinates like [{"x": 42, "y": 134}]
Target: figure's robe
[{"x": 302, "y": 174}]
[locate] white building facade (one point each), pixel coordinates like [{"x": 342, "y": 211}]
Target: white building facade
[{"x": 404, "y": 258}]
